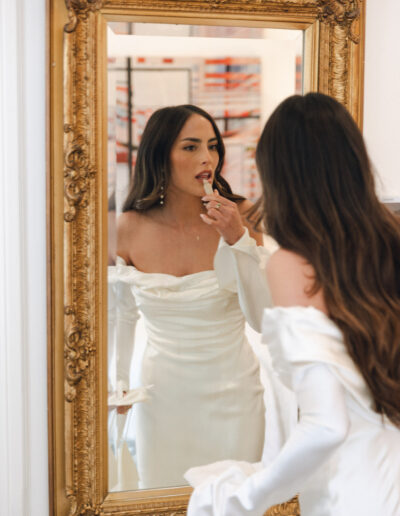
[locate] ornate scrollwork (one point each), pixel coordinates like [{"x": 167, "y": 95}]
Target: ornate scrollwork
[
  {"x": 77, "y": 174},
  {"x": 215, "y": 4},
  {"x": 87, "y": 509},
  {"x": 290, "y": 508},
  {"x": 342, "y": 13},
  {"x": 91, "y": 510},
  {"x": 77, "y": 351},
  {"x": 228, "y": 6},
  {"x": 79, "y": 8},
  {"x": 83, "y": 5}
]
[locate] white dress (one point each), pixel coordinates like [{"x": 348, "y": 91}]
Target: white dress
[
  {"x": 204, "y": 395},
  {"x": 342, "y": 457}
]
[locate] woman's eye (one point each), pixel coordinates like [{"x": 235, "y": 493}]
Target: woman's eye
[
  {"x": 189, "y": 147},
  {"x": 213, "y": 147}
]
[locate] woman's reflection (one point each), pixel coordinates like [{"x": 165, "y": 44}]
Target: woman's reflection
[{"x": 201, "y": 398}]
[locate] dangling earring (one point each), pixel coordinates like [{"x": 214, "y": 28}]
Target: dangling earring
[{"x": 162, "y": 195}]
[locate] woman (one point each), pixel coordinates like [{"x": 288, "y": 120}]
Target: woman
[
  {"x": 203, "y": 399},
  {"x": 334, "y": 333}
]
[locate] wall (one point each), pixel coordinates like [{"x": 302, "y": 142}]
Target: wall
[
  {"x": 23, "y": 415},
  {"x": 23, "y": 432},
  {"x": 382, "y": 92}
]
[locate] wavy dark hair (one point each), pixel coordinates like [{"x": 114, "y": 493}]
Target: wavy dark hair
[
  {"x": 319, "y": 201},
  {"x": 152, "y": 169}
]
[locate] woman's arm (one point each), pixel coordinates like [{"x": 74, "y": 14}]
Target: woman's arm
[
  {"x": 241, "y": 268},
  {"x": 322, "y": 427},
  {"x": 240, "y": 259},
  {"x": 122, "y": 319}
]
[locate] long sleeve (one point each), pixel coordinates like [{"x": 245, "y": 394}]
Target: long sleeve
[
  {"x": 322, "y": 427},
  {"x": 241, "y": 268},
  {"x": 122, "y": 319}
]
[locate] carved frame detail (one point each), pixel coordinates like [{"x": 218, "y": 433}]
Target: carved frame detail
[{"x": 77, "y": 444}]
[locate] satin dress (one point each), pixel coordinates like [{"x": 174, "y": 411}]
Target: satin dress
[
  {"x": 341, "y": 456},
  {"x": 202, "y": 399}
]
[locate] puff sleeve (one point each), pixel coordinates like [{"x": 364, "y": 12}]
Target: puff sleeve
[
  {"x": 122, "y": 318},
  {"x": 238, "y": 489},
  {"x": 241, "y": 268}
]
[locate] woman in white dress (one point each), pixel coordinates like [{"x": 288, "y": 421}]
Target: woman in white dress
[
  {"x": 201, "y": 398},
  {"x": 334, "y": 333}
]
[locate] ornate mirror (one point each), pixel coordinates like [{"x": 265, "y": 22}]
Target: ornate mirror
[{"x": 87, "y": 72}]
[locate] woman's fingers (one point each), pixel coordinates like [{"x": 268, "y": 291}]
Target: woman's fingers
[
  {"x": 216, "y": 198},
  {"x": 224, "y": 216},
  {"x": 218, "y": 216},
  {"x": 207, "y": 219},
  {"x": 216, "y": 205},
  {"x": 123, "y": 409},
  {"x": 223, "y": 212}
]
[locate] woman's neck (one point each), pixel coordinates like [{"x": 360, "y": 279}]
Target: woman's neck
[{"x": 181, "y": 209}]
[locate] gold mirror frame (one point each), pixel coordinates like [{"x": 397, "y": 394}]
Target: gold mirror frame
[{"x": 77, "y": 200}]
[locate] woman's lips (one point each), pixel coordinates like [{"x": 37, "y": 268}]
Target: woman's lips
[{"x": 204, "y": 175}]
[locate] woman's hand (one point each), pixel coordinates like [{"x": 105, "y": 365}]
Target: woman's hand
[
  {"x": 124, "y": 409},
  {"x": 224, "y": 216},
  {"x": 114, "y": 402}
]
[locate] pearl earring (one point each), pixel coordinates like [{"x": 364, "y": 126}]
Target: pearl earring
[{"x": 162, "y": 195}]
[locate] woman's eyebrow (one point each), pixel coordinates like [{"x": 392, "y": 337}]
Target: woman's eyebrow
[
  {"x": 190, "y": 139},
  {"x": 197, "y": 140}
]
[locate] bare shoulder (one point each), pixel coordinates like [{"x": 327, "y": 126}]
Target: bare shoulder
[
  {"x": 244, "y": 207},
  {"x": 127, "y": 223},
  {"x": 291, "y": 278}
]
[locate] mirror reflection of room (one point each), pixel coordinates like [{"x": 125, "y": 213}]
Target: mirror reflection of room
[{"x": 183, "y": 351}]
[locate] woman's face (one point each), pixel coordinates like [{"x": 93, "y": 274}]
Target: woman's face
[{"x": 194, "y": 156}]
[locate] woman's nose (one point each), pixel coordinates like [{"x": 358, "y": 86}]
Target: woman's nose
[{"x": 206, "y": 157}]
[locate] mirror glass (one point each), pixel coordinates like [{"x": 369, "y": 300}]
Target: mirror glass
[{"x": 237, "y": 74}]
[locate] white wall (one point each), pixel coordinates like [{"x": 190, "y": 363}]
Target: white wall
[
  {"x": 23, "y": 421},
  {"x": 382, "y": 92},
  {"x": 23, "y": 416},
  {"x": 278, "y": 79}
]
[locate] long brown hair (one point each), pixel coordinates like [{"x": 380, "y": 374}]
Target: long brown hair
[
  {"x": 319, "y": 201},
  {"x": 152, "y": 169}
]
